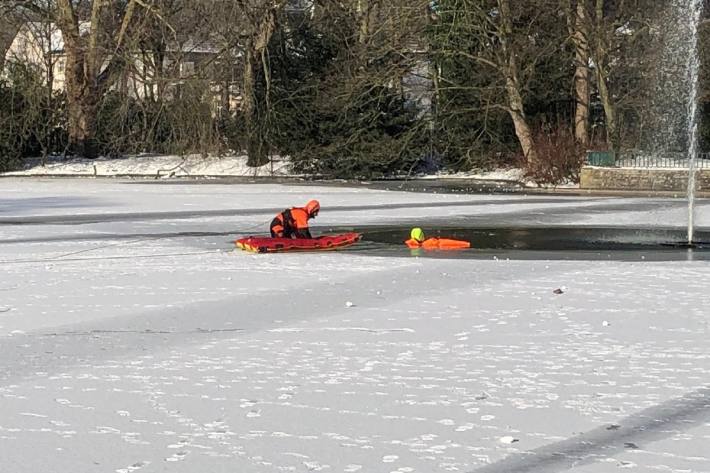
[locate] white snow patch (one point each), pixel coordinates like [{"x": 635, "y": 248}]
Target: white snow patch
[{"x": 156, "y": 166}]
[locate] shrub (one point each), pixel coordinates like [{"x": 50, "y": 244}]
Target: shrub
[
  {"x": 31, "y": 116},
  {"x": 559, "y": 158},
  {"x": 183, "y": 124}
]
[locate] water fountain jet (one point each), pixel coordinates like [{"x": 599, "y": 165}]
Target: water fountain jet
[{"x": 674, "y": 106}]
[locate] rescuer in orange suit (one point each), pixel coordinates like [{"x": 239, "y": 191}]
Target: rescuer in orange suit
[
  {"x": 293, "y": 222},
  {"x": 417, "y": 241}
]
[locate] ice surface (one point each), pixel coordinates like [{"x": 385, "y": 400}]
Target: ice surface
[{"x": 134, "y": 338}]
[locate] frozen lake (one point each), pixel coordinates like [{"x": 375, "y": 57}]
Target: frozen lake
[{"x": 133, "y": 337}]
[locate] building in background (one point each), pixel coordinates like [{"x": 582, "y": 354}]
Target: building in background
[{"x": 149, "y": 74}]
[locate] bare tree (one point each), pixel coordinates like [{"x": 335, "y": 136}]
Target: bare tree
[
  {"x": 509, "y": 68},
  {"x": 10, "y": 23},
  {"x": 260, "y": 21},
  {"x": 506, "y": 42},
  {"x": 355, "y": 84},
  {"x": 604, "y": 29},
  {"x": 579, "y": 31},
  {"x": 32, "y": 63},
  {"x": 93, "y": 60},
  {"x": 623, "y": 57},
  {"x": 367, "y": 11}
]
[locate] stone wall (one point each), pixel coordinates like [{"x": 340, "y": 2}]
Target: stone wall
[{"x": 636, "y": 179}]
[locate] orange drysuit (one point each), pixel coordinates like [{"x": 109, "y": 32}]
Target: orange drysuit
[
  {"x": 438, "y": 244},
  {"x": 291, "y": 223}
]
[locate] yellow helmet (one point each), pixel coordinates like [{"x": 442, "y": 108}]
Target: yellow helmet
[{"x": 417, "y": 234}]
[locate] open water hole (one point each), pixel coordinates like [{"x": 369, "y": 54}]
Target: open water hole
[{"x": 557, "y": 243}]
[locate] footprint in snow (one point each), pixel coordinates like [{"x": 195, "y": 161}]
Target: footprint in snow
[
  {"x": 179, "y": 456},
  {"x": 314, "y": 466},
  {"x": 625, "y": 464},
  {"x": 32, "y": 414},
  {"x": 464, "y": 428},
  {"x": 102, "y": 429},
  {"x": 136, "y": 466}
]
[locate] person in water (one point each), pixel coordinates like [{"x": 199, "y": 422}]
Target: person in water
[
  {"x": 418, "y": 240},
  {"x": 293, "y": 222}
]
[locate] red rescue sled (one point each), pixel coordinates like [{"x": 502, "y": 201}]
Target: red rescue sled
[{"x": 263, "y": 244}]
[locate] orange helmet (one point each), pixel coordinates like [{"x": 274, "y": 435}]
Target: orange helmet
[{"x": 312, "y": 207}]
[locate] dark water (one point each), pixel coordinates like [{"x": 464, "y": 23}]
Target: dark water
[
  {"x": 568, "y": 243},
  {"x": 431, "y": 186}
]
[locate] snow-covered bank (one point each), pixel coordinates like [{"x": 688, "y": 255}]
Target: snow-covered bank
[
  {"x": 133, "y": 338},
  {"x": 155, "y": 166},
  {"x": 166, "y": 167}
]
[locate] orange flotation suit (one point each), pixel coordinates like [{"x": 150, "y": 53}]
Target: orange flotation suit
[
  {"x": 438, "y": 244},
  {"x": 291, "y": 223}
]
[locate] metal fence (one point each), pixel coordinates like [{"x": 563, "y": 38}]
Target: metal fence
[{"x": 634, "y": 159}]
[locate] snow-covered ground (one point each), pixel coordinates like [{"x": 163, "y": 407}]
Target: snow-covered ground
[
  {"x": 134, "y": 338},
  {"x": 156, "y": 166},
  {"x": 171, "y": 166}
]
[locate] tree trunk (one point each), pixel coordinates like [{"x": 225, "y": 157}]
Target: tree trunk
[
  {"x": 83, "y": 113},
  {"x": 582, "y": 74},
  {"x": 257, "y": 147},
  {"x": 9, "y": 26},
  {"x": 512, "y": 86},
  {"x": 522, "y": 129},
  {"x": 609, "y": 110},
  {"x": 86, "y": 81},
  {"x": 255, "y": 150},
  {"x": 366, "y": 11},
  {"x": 81, "y": 106},
  {"x": 600, "y": 58}
]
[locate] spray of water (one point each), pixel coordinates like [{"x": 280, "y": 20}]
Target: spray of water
[
  {"x": 671, "y": 131},
  {"x": 695, "y": 11}
]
